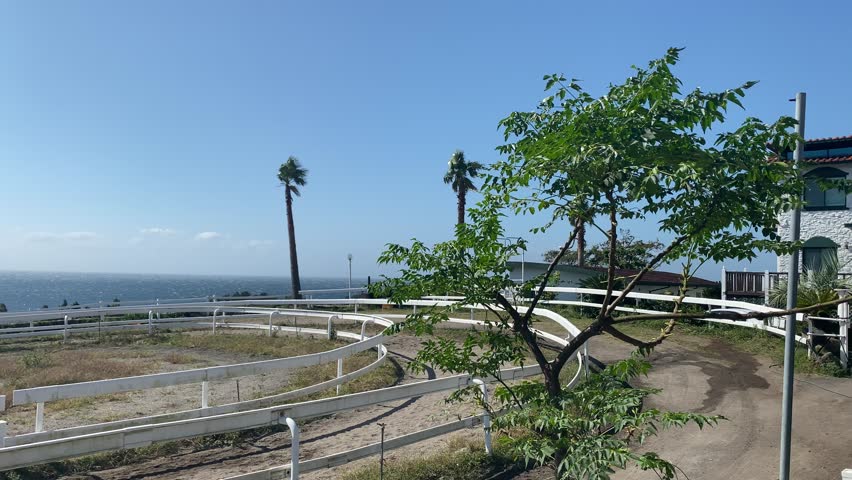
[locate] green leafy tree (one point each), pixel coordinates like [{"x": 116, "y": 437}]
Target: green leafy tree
[
  {"x": 571, "y": 423},
  {"x": 292, "y": 176},
  {"x": 630, "y": 252},
  {"x": 639, "y": 152},
  {"x": 460, "y": 175}
]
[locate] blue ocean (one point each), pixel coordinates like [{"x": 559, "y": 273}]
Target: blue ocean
[{"x": 22, "y": 291}]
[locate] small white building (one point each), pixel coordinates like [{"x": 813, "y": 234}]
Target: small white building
[
  {"x": 826, "y": 225},
  {"x": 654, "y": 281}
]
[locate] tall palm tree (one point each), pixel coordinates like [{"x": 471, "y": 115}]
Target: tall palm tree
[
  {"x": 292, "y": 175},
  {"x": 460, "y": 174}
]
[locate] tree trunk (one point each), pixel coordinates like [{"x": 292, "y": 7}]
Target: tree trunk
[
  {"x": 294, "y": 259},
  {"x": 581, "y": 244},
  {"x": 462, "y": 200}
]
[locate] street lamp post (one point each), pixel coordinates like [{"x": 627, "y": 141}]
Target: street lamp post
[{"x": 349, "y": 257}]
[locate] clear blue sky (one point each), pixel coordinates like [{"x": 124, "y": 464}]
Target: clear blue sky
[{"x": 129, "y": 129}]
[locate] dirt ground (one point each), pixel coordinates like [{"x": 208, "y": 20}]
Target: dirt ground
[{"x": 696, "y": 374}]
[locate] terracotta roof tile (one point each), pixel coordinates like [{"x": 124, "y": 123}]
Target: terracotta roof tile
[
  {"x": 823, "y": 160},
  {"x": 829, "y": 139}
]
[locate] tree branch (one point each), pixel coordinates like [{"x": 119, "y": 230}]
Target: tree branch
[
  {"x": 636, "y": 278},
  {"x": 610, "y": 270},
  {"x": 548, "y": 273},
  {"x": 521, "y": 328}
]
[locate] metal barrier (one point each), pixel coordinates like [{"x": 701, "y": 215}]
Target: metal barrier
[{"x": 40, "y": 447}]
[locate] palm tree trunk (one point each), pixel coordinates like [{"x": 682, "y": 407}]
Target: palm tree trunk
[
  {"x": 294, "y": 259},
  {"x": 462, "y": 200},
  {"x": 581, "y": 243}
]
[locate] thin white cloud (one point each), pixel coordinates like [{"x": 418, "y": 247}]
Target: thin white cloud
[
  {"x": 161, "y": 231},
  {"x": 42, "y": 237},
  {"x": 208, "y": 236},
  {"x": 260, "y": 243}
]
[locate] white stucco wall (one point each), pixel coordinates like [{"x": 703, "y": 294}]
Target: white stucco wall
[
  {"x": 571, "y": 278},
  {"x": 823, "y": 223}
]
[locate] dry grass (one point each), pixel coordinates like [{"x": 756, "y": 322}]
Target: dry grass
[
  {"x": 461, "y": 458},
  {"x": 41, "y": 367},
  {"x": 385, "y": 375},
  {"x": 176, "y": 358},
  {"x": 250, "y": 344}
]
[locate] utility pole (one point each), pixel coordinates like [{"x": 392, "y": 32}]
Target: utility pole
[{"x": 792, "y": 294}]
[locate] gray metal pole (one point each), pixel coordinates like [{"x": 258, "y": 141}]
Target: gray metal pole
[{"x": 792, "y": 294}]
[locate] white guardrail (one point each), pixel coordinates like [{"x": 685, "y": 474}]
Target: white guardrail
[
  {"x": 774, "y": 325},
  {"x": 45, "y": 446}
]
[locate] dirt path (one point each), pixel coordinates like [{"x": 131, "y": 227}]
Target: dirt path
[{"x": 708, "y": 376}]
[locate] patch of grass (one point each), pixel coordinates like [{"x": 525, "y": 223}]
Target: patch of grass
[
  {"x": 461, "y": 459},
  {"x": 54, "y": 367},
  {"x": 249, "y": 344},
  {"x": 745, "y": 339},
  {"x": 176, "y": 358},
  {"x": 387, "y": 374}
]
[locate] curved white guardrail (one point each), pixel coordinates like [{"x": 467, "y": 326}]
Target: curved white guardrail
[{"x": 45, "y": 446}]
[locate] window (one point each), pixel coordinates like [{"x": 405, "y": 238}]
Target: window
[
  {"x": 816, "y": 251},
  {"x": 817, "y": 197}
]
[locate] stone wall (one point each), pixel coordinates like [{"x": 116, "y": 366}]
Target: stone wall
[{"x": 830, "y": 224}]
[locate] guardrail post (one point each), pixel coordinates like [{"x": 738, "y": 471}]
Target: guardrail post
[
  {"x": 356, "y": 305},
  {"x": 101, "y": 318},
  {"x": 415, "y": 310},
  {"x": 471, "y": 313},
  {"x": 294, "y": 448},
  {"x": 766, "y": 287},
  {"x": 724, "y": 281},
  {"x": 150, "y": 322},
  {"x": 65, "y": 329},
  {"x": 2, "y": 403},
  {"x": 364, "y": 328},
  {"x": 39, "y": 426},
  {"x": 810, "y": 334},
  {"x": 586, "y": 359},
  {"x": 215, "y": 312},
  {"x": 271, "y": 314},
  {"x": 205, "y": 394},
  {"x": 158, "y": 310},
  {"x": 846, "y": 474},
  {"x": 330, "y": 326},
  {"x": 486, "y": 417},
  {"x": 2, "y": 433},
  {"x": 339, "y": 372}
]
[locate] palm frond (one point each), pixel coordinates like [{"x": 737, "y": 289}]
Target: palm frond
[
  {"x": 815, "y": 286},
  {"x": 292, "y": 173}
]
